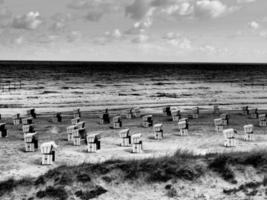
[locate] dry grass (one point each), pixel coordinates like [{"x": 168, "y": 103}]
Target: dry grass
[{"x": 181, "y": 166}]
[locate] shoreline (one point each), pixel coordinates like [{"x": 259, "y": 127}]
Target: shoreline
[{"x": 8, "y": 112}]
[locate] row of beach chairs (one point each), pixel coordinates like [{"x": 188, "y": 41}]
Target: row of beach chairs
[
  {"x": 231, "y": 135},
  {"x": 76, "y": 132}
]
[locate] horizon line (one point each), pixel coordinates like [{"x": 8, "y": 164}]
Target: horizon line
[{"x": 139, "y": 62}]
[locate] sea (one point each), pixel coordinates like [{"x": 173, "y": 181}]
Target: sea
[{"x": 50, "y": 86}]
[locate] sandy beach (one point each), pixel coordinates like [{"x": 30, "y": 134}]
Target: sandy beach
[{"x": 202, "y": 139}]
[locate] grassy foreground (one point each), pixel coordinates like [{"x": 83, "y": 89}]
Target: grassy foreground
[{"x": 84, "y": 181}]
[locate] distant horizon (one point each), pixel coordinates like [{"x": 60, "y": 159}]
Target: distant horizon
[{"x": 142, "y": 62}]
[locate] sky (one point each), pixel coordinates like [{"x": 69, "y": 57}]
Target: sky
[{"x": 134, "y": 30}]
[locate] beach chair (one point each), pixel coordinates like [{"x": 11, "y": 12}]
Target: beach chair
[
  {"x": 158, "y": 131},
  {"x": 137, "y": 143},
  {"x": 125, "y": 137},
  {"x": 48, "y": 151}
]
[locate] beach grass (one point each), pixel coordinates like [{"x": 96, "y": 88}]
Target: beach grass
[{"x": 59, "y": 182}]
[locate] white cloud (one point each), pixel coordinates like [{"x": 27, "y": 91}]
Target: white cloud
[
  {"x": 146, "y": 23},
  {"x": 141, "y": 26},
  {"x": 178, "y": 8},
  {"x": 31, "y": 21},
  {"x": 171, "y": 35},
  {"x": 96, "y": 9},
  {"x": 109, "y": 36},
  {"x": 211, "y": 8},
  {"x": 254, "y": 29},
  {"x": 245, "y": 1},
  {"x": 115, "y": 34},
  {"x": 208, "y": 49},
  {"x": 134, "y": 31},
  {"x": 176, "y": 39},
  {"x": 140, "y": 38},
  {"x": 139, "y": 9},
  {"x": 263, "y": 34},
  {"x": 144, "y": 11},
  {"x": 73, "y": 36},
  {"x": 19, "y": 40},
  {"x": 58, "y": 26},
  {"x": 254, "y": 25},
  {"x": 183, "y": 43},
  {"x": 59, "y": 21}
]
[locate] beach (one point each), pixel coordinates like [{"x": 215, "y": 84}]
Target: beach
[
  {"x": 93, "y": 87},
  {"x": 202, "y": 140},
  {"x": 52, "y": 88}
]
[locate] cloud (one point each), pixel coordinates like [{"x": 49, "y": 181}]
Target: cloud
[
  {"x": 19, "y": 40},
  {"x": 115, "y": 34},
  {"x": 181, "y": 9},
  {"x": 96, "y": 9},
  {"x": 212, "y": 8},
  {"x": 171, "y": 35},
  {"x": 43, "y": 39},
  {"x": 4, "y": 12},
  {"x": 144, "y": 11},
  {"x": 254, "y": 29},
  {"x": 183, "y": 43},
  {"x": 257, "y": 29},
  {"x": 140, "y": 27},
  {"x": 58, "y": 26},
  {"x": 78, "y": 4},
  {"x": 208, "y": 49},
  {"x": 59, "y": 21},
  {"x": 11, "y": 38},
  {"x": 263, "y": 34},
  {"x": 5, "y": 15},
  {"x": 174, "y": 7},
  {"x": 74, "y": 36},
  {"x": 245, "y": 1},
  {"x": 108, "y": 5},
  {"x": 138, "y": 9},
  {"x": 30, "y": 21},
  {"x": 109, "y": 36},
  {"x": 176, "y": 39},
  {"x": 140, "y": 38},
  {"x": 254, "y": 25},
  {"x": 95, "y": 15}
]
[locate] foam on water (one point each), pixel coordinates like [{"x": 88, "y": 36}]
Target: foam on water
[{"x": 50, "y": 86}]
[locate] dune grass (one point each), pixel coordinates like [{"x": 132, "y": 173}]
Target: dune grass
[{"x": 182, "y": 165}]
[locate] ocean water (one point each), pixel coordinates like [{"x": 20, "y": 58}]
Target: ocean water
[{"x": 60, "y": 86}]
